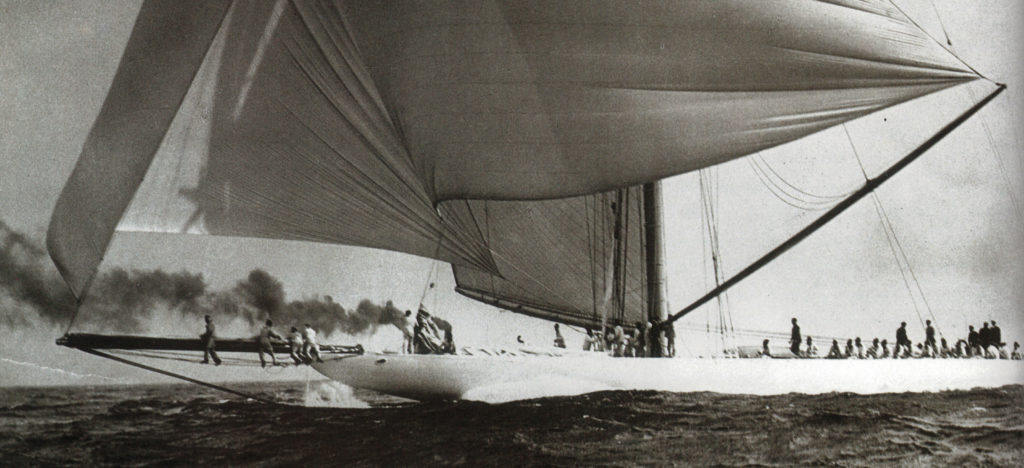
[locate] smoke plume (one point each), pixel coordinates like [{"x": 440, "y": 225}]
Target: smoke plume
[{"x": 126, "y": 301}]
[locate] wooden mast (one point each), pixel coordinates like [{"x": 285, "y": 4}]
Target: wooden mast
[{"x": 654, "y": 250}]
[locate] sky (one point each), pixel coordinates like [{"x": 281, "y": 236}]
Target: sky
[{"x": 952, "y": 212}]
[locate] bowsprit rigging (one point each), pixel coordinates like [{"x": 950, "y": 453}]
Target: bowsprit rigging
[{"x": 184, "y": 350}]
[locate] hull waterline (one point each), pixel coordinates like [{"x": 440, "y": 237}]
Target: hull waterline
[{"x": 431, "y": 377}]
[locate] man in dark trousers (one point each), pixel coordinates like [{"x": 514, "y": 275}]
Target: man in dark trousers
[
  {"x": 929, "y": 337},
  {"x": 794, "y": 339},
  {"x": 985, "y": 337},
  {"x": 997, "y": 335},
  {"x": 901, "y": 340},
  {"x": 264, "y": 343},
  {"x": 209, "y": 339},
  {"x": 973, "y": 341}
]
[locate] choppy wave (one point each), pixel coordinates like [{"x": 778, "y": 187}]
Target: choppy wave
[{"x": 188, "y": 426}]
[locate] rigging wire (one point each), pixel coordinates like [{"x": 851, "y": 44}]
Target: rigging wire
[
  {"x": 942, "y": 26},
  {"x": 899, "y": 253},
  {"x": 996, "y": 154},
  {"x": 788, "y": 192}
]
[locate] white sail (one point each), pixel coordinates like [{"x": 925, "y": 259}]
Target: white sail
[{"x": 348, "y": 122}]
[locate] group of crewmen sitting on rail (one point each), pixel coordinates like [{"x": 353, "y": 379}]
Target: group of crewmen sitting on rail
[
  {"x": 645, "y": 340},
  {"x": 986, "y": 343}
]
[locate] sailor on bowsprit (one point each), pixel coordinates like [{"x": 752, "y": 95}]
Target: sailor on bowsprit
[
  {"x": 209, "y": 339},
  {"x": 264, "y": 344},
  {"x": 309, "y": 346}
]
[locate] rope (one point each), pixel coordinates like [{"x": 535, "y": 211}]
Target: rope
[
  {"x": 899, "y": 253},
  {"x": 793, "y": 195},
  {"x": 999, "y": 161},
  {"x": 177, "y": 376},
  {"x": 943, "y": 26},
  {"x": 988, "y": 132},
  {"x": 74, "y": 315}
]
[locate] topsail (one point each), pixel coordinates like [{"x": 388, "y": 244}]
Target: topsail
[{"x": 370, "y": 123}]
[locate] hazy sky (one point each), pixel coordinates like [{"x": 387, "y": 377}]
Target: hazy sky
[{"x": 951, "y": 210}]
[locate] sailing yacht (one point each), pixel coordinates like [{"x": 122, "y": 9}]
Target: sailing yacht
[{"x": 520, "y": 143}]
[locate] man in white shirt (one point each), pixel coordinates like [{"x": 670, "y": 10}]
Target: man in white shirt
[{"x": 309, "y": 346}]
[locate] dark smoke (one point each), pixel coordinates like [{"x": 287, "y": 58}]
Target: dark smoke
[
  {"x": 25, "y": 279},
  {"x": 126, "y": 301}
]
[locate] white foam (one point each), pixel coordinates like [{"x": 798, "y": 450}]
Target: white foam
[{"x": 331, "y": 394}]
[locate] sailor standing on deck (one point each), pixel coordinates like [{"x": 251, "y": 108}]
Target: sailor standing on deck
[
  {"x": 794, "y": 339},
  {"x": 997, "y": 335},
  {"x": 985, "y": 338},
  {"x": 209, "y": 339},
  {"x": 973, "y": 342},
  {"x": 408, "y": 332},
  {"x": 929, "y": 338},
  {"x": 902, "y": 342},
  {"x": 264, "y": 345}
]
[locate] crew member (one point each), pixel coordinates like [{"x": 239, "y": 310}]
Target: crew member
[
  {"x": 765, "y": 352},
  {"x": 873, "y": 350},
  {"x": 618, "y": 341},
  {"x": 997, "y": 335},
  {"x": 885, "y": 349},
  {"x": 209, "y": 339},
  {"x": 670, "y": 339},
  {"x": 812, "y": 351},
  {"x": 309, "y": 346},
  {"x": 448, "y": 346},
  {"x": 860, "y": 348},
  {"x": 408, "y": 333},
  {"x": 264, "y": 345},
  {"x": 929, "y": 338},
  {"x": 985, "y": 338},
  {"x": 794, "y": 339},
  {"x": 1015, "y": 355},
  {"x": 588, "y": 341},
  {"x": 973, "y": 342},
  {"x": 295, "y": 346},
  {"x": 849, "y": 349},
  {"x": 559, "y": 340},
  {"x": 944, "y": 351},
  {"x": 902, "y": 342},
  {"x": 833, "y": 352}
]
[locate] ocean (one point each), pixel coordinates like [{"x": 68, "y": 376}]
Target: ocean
[{"x": 323, "y": 423}]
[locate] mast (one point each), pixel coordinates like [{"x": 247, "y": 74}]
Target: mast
[{"x": 654, "y": 250}]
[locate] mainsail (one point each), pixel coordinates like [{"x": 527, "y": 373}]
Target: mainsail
[{"x": 371, "y": 123}]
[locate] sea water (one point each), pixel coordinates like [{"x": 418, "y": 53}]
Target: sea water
[{"x": 184, "y": 425}]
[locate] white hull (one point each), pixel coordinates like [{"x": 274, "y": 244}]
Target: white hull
[{"x": 500, "y": 378}]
